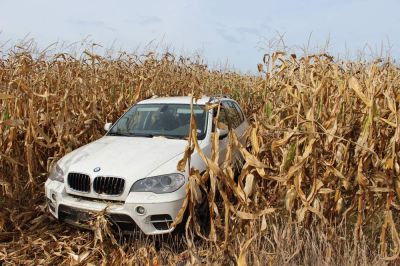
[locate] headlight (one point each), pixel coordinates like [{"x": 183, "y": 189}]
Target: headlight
[
  {"x": 56, "y": 173},
  {"x": 159, "y": 184}
]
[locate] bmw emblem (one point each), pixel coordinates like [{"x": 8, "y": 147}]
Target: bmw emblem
[{"x": 96, "y": 169}]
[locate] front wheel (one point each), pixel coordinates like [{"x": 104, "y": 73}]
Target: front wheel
[
  {"x": 202, "y": 212},
  {"x": 203, "y": 217}
]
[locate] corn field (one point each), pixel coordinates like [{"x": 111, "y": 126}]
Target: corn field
[{"x": 319, "y": 184}]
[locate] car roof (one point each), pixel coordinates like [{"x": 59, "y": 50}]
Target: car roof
[{"x": 176, "y": 100}]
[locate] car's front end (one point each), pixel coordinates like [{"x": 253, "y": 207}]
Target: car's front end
[
  {"x": 148, "y": 201},
  {"x": 131, "y": 178},
  {"x": 152, "y": 214}
]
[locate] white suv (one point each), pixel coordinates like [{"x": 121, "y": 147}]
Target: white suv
[{"x": 131, "y": 172}]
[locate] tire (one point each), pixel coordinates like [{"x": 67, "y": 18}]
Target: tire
[
  {"x": 203, "y": 216},
  {"x": 202, "y": 213}
]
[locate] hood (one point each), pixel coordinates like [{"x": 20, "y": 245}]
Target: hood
[{"x": 131, "y": 158}]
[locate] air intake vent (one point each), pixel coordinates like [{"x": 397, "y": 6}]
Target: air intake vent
[
  {"x": 79, "y": 182},
  {"x": 161, "y": 221},
  {"x": 108, "y": 185}
]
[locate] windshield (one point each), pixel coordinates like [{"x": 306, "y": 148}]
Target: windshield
[{"x": 168, "y": 120}]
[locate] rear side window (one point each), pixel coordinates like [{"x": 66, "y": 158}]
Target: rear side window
[
  {"x": 234, "y": 116},
  {"x": 239, "y": 111}
]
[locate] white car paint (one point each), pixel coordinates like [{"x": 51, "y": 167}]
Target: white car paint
[{"x": 131, "y": 158}]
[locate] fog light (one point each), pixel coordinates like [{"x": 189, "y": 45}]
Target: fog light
[{"x": 140, "y": 210}]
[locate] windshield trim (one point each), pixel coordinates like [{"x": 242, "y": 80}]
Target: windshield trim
[{"x": 199, "y": 137}]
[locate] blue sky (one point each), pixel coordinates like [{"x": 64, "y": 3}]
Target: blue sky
[{"x": 236, "y": 33}]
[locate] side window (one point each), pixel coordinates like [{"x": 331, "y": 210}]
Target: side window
[
  {"x": 233, "y": 114},
  {"x": 239, "y": 111},
  {"x": 223, "y": 117}
]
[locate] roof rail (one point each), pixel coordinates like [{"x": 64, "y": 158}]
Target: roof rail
[
  {"x": 154, "y": 96},
  {"x": 216, "y": 96}
]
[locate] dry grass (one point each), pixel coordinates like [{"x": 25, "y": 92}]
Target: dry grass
[{"x": 320, "y": 183}]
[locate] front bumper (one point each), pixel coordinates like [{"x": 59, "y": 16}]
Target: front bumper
[{"x": 160, "y": 210}]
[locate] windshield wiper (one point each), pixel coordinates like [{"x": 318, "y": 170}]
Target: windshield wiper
[
  {"x": 145, "y": 135},
  {"x": 130, "y": 134},
  {"x": 172, "y": 136},
  {"x": 118, "y": 134}
]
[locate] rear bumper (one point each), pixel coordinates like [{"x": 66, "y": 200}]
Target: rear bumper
[{"x": 156, "y": 219}]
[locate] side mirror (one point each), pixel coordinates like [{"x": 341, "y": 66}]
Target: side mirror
[
  {"x": 223, "y": 133},
  {"x": 107, "y": 126}
]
